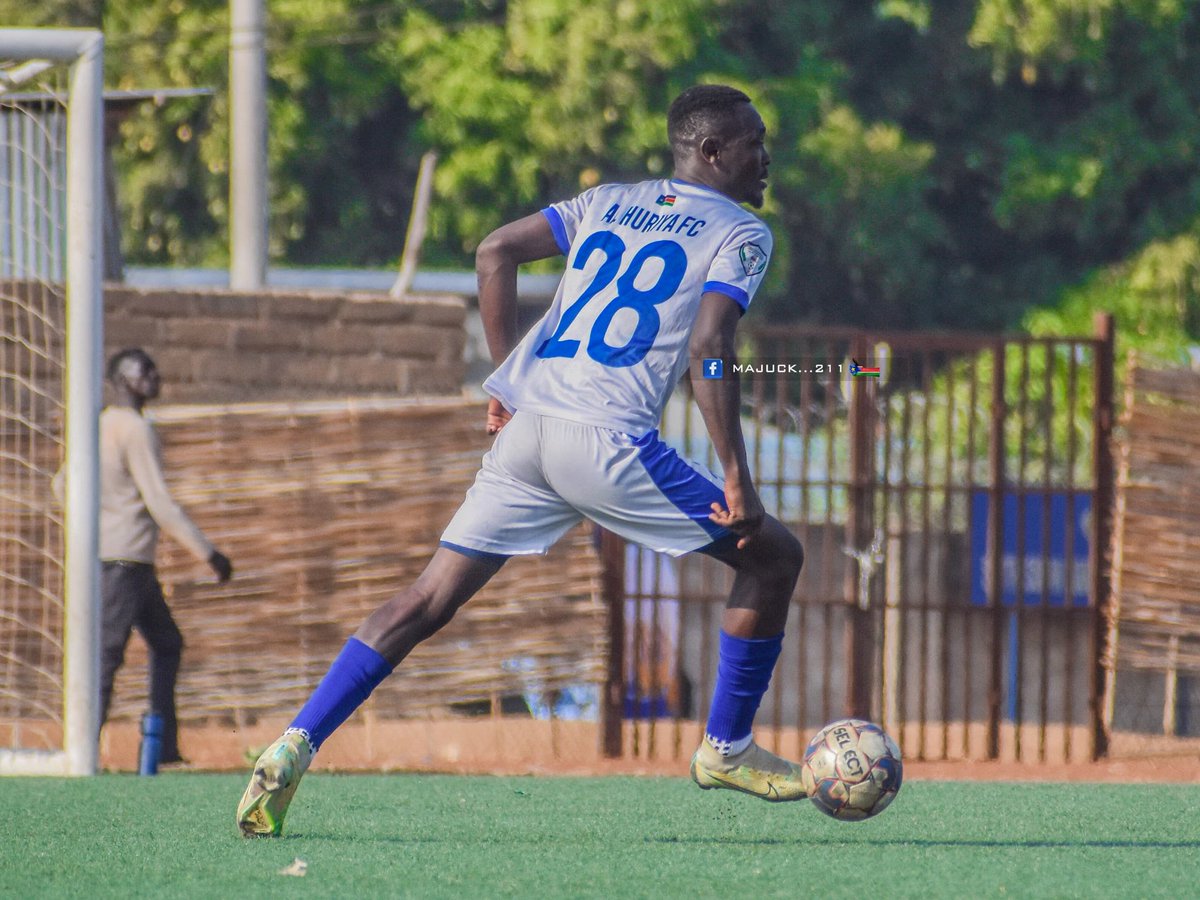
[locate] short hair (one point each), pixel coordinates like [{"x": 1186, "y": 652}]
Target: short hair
[
  {"x": 700, "y": 110},
  {"x": 118, "y": 359}
]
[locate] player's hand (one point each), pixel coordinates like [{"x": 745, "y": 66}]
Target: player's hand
[
  {"x": 497, "y": 416},
  {"x": 221, "y": 565},
  {"x": 743, "y": 513}
]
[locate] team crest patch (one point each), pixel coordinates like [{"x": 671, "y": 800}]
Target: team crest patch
[{"x": 754, "y": 258}]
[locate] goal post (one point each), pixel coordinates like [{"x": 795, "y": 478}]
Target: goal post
[{"x": 33, "y": 209}]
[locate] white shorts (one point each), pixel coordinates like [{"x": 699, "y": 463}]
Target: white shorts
[{"x": 544, "y": 475}]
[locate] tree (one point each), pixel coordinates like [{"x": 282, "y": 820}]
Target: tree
[
  {"x": 951, "y": 164},
  {"x": 342, "y": 165},
  {"x": 540, "y": 100}
]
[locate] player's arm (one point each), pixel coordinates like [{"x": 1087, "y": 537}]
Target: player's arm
[
  {"x": 719, "y": 400},
  {"x": 496, "y": 263}
]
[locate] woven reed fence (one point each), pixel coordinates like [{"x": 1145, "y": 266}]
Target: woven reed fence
[
  {"x": 326, "y": 509},
  {"x": 1154, "y": 627}
]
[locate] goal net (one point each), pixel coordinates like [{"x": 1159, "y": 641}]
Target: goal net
[{"x": 50, "y": 339}]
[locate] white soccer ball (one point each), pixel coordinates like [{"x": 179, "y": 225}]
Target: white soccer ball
[{"x": 852, "y": 770}]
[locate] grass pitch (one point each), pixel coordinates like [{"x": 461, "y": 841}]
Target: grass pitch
[{"x": 461, "y": 837}]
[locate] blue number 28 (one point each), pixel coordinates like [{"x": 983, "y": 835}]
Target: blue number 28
[{"x": 629, "y": 296}]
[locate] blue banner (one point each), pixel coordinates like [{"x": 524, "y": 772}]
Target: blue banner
[{"x": 1070, "y": 514}]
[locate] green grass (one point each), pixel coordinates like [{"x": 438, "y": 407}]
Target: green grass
[{"x": 443, "y": 836}]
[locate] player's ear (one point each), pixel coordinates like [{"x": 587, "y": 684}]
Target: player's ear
[{"x": 710, "y": 148}]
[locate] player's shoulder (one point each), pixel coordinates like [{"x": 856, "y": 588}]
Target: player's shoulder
[
  {"x": 624, "y": 188},
  {"x": 603, "y": 199},
  {"x": 719, "y": 206},
  {"x": 742, "y": 227},
  {"x": 594, "y": 196},
  {"x": 745, "y": 221},
  {"x": 739, "y": 216}
]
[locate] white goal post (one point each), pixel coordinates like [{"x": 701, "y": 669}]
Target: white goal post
[{"x": 25, "y": 54}]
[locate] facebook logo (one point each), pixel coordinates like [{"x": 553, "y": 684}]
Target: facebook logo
[{"x": 714, "y": 368}]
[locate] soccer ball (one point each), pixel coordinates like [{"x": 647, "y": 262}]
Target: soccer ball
[{"x": 852, "y": 770}]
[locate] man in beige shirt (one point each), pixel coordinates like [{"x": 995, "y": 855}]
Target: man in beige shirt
[{"x": 134, "y": 505}]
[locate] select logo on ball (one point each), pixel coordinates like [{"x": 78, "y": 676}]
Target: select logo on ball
[{"x": 852, "y": 770}]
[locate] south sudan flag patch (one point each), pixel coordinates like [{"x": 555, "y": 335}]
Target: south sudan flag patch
[{"x": 665, "y": 200}]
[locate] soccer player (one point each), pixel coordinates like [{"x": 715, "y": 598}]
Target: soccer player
[
  {"x": 134, "y": 504},
  {"x": 658, "y": 275}
]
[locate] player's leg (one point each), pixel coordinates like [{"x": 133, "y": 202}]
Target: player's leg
[
  {"x": 765, "y": 575},
  {"x": 157, "y": 627},
  {"x": 388, "y": 635},
  {"x": 117, "y": 610},
  {"x": 508, "y": 511},
  {"x": 751, "y": 639},
  {"x": 452, "y": 577},
  {"x": 385, "y": 638},
  {"x": 651, "y": 495}
]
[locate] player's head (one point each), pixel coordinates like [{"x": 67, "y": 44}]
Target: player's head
[
  {"x": 716, "y": 132},
  {"x": 133, "y": 371}
]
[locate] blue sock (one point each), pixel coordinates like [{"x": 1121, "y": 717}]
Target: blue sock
[
  {"x": 743, "y": 675},
  {"x": 356, "y": 672}
]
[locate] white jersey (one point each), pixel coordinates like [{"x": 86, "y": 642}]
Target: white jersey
[{"x": 614, "y": 342}]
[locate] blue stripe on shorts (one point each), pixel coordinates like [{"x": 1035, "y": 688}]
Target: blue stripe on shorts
[
  {"x": 472, "y": 553},
  {"x": 690, "y": 492}
]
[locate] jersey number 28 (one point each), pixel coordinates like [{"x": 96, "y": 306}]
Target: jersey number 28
[{"x": 629, "y": 296}]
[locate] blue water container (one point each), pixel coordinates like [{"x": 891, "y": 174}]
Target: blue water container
[{"x": 151, "y": 748}]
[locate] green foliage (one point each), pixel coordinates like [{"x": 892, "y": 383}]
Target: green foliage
[
  {"x": 1059, "y": 34},
  {"x": 341, "y": 161},
  {"x": 915, "y": 12},
  {"x": 1154, "y": 298},
  {"x": 935, "y": 164},
  {"x": 171, "y": 158},
  {"x": 532, "y": 106},
  {"x": 862, "y": 186}
]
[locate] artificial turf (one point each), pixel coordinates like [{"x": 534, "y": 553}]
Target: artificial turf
[{"x": 448, "y": 836}]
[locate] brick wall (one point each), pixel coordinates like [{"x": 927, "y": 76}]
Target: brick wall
[{"x": 220, "y": 346}]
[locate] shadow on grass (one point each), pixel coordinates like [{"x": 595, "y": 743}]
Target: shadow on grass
[
  {"x": 773, "y": 842},
  {"x": 921, "y": 842}
]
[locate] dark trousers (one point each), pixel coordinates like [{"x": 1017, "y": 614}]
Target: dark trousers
[{"x": 132, "y": 598}]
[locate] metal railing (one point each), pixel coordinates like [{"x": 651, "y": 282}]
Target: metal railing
[{"x": 954, "y": 581}]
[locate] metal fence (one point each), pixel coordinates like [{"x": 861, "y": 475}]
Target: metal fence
[{"x": 952, "y": 589}]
